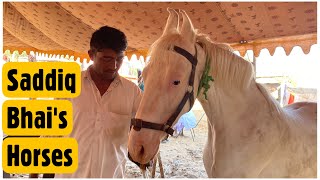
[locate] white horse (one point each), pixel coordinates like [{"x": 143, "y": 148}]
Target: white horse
[{"x": 249, "y": 134}]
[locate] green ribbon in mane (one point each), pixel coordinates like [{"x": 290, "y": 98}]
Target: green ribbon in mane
[{"x": 205, "y": 79}]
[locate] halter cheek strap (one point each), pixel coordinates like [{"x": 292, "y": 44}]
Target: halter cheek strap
[
  {"x": 193, "y": 60},
  {"x": 137, "y": 124}
]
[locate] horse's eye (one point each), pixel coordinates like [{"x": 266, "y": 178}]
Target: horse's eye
[{"x": 176, "y": 82}]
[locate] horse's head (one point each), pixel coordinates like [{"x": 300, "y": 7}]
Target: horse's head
[{"x": 171, "y": 84}]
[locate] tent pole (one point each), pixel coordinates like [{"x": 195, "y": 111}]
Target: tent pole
[{"x": 254, "y": 63}]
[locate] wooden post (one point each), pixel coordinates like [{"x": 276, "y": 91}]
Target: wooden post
[
  {"x": 154, "y": 167},
  {"x": 160, "y": 166},
  {"x": 156, "y": 159},
  {"x": 254, "y": 63}
]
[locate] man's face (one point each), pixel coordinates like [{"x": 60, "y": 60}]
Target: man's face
[{"x": 106, "y": 62}]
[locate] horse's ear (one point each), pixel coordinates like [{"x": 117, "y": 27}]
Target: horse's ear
[
  {"x": 187, "y": 29},
  {"x": 172, "y": 22}
]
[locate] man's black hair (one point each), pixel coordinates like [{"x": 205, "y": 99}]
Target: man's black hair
[{"x": 108, "y": 37}]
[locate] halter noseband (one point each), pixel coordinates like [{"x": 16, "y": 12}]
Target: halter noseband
[{"x": 137, "y": 124}]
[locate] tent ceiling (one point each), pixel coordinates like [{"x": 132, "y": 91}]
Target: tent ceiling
[
  {"x": 12, "y": 41},
  {"x": 69, "y": 25}
]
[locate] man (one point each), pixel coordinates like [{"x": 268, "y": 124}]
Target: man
[{"x": 103, "y": 111}]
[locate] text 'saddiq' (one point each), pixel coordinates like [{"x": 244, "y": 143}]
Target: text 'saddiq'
[{"x": 45, "y": 79}]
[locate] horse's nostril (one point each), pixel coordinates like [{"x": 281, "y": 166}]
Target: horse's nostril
[{"x": 141, "y": 151}]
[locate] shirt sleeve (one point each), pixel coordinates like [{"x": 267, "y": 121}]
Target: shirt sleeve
[{"x": 137, "y": 99}]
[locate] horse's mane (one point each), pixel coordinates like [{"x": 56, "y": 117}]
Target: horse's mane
[
  {"x": 233, "y": 71},
  {"x": 230, "y": 70}
]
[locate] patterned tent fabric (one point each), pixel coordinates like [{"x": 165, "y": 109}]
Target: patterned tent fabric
[
  {"x": 24, "y": 30},
  {"x": 11, "y": 41},
  {"x": 244, "y": 25}
]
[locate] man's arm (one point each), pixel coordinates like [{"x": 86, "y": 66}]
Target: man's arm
[
  {"x": 33, "y": 176},
  {"x": 137, "y": 99}
]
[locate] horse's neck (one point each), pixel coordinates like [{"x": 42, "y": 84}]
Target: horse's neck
[{"x": 244, "y": 128}]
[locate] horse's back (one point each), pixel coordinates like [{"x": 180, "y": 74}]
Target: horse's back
[
  {"x": 303, "y": 116},
  {"x": 297, "y": 154}
]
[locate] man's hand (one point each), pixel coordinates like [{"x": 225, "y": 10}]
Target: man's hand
[{"x": 33, "y": 176}]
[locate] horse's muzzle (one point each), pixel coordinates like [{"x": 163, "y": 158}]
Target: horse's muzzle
[{"x": 141, "y": 166}]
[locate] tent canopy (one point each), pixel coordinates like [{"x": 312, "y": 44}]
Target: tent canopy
[{"x": 67, "y": 26}]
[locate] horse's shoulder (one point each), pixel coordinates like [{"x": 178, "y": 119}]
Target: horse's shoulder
[{"x": 303, "y": 114}]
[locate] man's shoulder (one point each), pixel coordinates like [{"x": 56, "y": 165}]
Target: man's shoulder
[
  {"x": 127, "y": 82},
  {"x": 84, "y": 73}
]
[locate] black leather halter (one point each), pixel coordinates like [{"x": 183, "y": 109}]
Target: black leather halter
[{"x": 137, "y": 124}]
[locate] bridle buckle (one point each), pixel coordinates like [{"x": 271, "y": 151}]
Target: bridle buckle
[
  {"x": 137, "y": 124},
  {"x": 165, "y": 127},
  {"x": 189, "y": 89}
]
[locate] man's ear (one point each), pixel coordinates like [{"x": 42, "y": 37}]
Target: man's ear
[
  {"x": 119, "y": 63},
  {"x": 91, "y": 54}
]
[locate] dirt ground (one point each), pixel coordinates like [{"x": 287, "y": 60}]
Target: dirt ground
[{"x": 181, "y": 156}]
